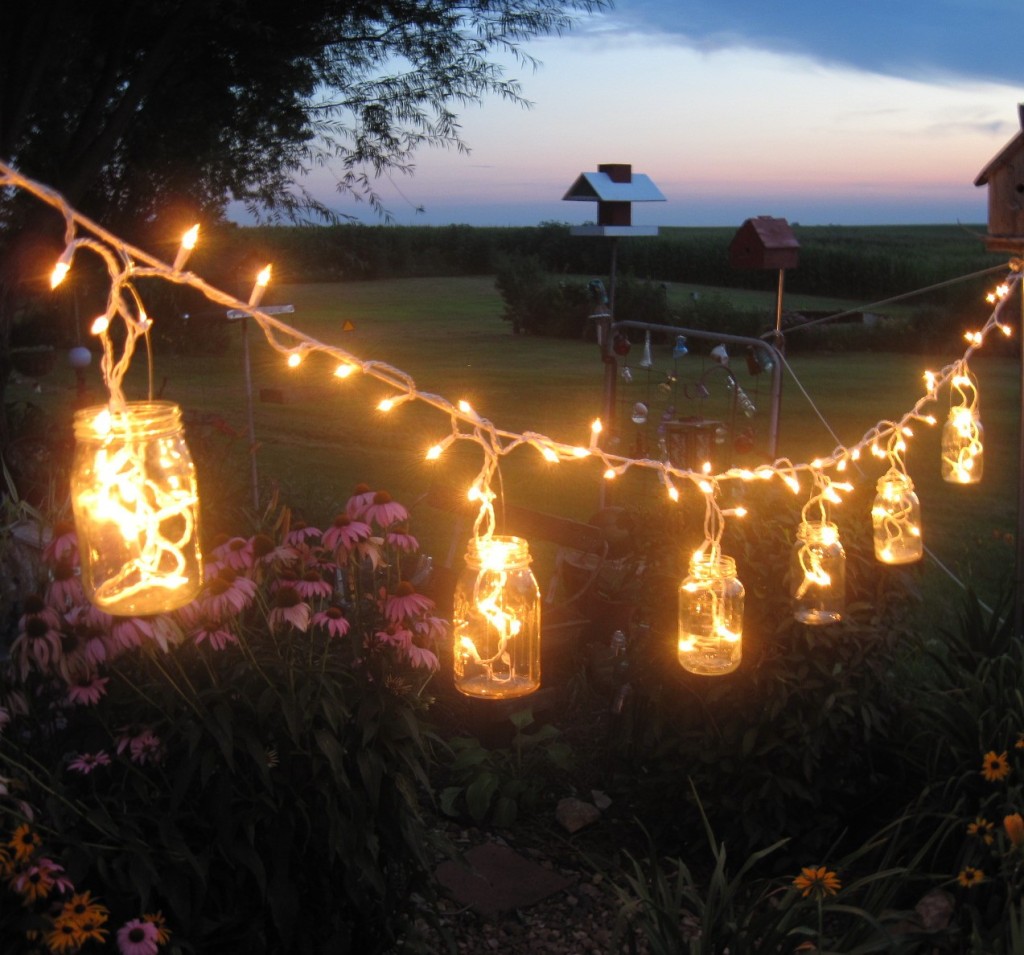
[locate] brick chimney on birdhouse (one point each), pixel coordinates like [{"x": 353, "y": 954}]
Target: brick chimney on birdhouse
[
  {"x": 615, "y": 187},
  {"x": 1004, "y": 176}
]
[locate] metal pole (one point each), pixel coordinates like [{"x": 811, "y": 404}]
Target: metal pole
[
  {"x": 250, "y": 416},
  {"x": 1018, "y": 596}
]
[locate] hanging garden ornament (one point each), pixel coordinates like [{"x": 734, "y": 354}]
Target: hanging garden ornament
[
  {"x": 720, "y": 354},
  {"x": 710, "y": 604},
  {"x": 136, "y": 507},
  {"x": 962, "y": 435},
  {"x": 639, "y": 415},
  {"x": 896, "y": 520},
  {"x": 818, "y": 565},
  {"x": 744, "y": 441},
  {"x": 627, "y": 375},
  {"x": 669, "y": 382},
  {"x": 133, "y": 485},
  {"x": 896, "y": 511},
  {"x": 679, "y": 350},
  {"x": 647, "y": 361},
  {"x": 819, "y": 573},
  {"x": 620, "y": 344},
  {"x": 496, "y": 620}
]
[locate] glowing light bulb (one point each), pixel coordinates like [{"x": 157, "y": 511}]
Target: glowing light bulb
[
  {"x": 59, "y": 273},
  {"x": 188, "y": 243},
  {"x": 343, "y": 371},
  {"x": 100, "y": 325},
  {"x": 294, "y": 359},
  {"x": 262, "y": 281}
]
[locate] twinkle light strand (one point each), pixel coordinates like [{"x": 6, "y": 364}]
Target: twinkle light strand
[{"x": 125, "y": 264}]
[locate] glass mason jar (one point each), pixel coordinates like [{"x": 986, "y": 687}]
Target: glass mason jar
[
  {"x": 963, "y": 455},
  {"x": 818, "y": 573},
  {"x": 136, "y": 507},
  {"x": 496, "y": 620},
  {"x": 896, "y": 520},
  {"x": 710, "y": 616}
]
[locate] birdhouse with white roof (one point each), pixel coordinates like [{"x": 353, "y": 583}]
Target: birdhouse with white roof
[
  {"x": 614, "y": 187},
  {"x": 1004, "y": 176}
]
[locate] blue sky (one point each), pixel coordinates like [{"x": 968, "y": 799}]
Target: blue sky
[{"x": 818, "y": 112}]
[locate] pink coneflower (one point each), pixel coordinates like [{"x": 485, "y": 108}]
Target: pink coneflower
[
  {"x": 422, "y": 657},
  {"x": 35, "y": 606},
  {"x": 218, "y": 636},
  {"x": 128, "y": 633},
  {"x": 345, "y": 532},
  {"x": 301, "y": 533},
  {"x": 405, "y": 602},
  {"x": 289, "y": 608},
  {"x": 166, "y": 632},
  {"x": 38, "y": 880},
  {"x": 235, "y": 552},
  {"x": 399, "y": 638},
  {"x": 385, "y": 511},
  {"x": 143, "y": 747},
  {"x": 90, "y": 616},
  {"x": 63, "y": 545},
  {"x": 371, "y": 549},
  {"x": 88, "y": 692},
  {"x": 361, "y": 499},
  {"x": 38, "y": 645},
  {"x": 85, "y": 763},
  {"x": 332, "y": 620},
  {"x": 312, "y": 586},
  {"x": 228, "y": 593},
  {"x": 401, "y": 538},
  {"x": 65, "y": 590},
  {"x": 265, "y": 551},
  {"x": 137, "y": 937},
  {"x": 431, "y": 628}
]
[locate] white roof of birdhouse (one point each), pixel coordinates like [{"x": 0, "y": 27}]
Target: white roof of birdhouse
[{"x": 599, "y": 187}]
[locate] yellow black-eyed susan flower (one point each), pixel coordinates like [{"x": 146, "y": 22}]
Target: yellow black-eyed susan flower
[
  {"x": 970, "y": 876},
  {"x": 995, "y": 766},
  {"x": 981, "y": 828}
]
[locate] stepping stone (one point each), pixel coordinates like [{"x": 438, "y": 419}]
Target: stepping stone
[{"x": 495, "y": 879}]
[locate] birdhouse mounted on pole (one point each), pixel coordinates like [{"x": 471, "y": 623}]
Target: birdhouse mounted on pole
[
  {"x": 1004, "y": 176},
  {"x": 764, "y": 242},
  {"x": 614, "y": 187}
]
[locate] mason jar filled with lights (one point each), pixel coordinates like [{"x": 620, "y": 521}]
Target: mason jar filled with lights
[
  {"x": 710, "y": 631},
  {"x": 818, "y": 574},
  {"x": 496, "y": 620},
  {"x": 136, "y": 508},
  {"x": 896, "y": 520}
]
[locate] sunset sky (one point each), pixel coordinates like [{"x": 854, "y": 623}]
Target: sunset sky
[{"x": 873, "y": 112}]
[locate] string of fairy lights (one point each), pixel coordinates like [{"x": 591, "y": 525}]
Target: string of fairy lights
[{"x": 150, "y": 515}]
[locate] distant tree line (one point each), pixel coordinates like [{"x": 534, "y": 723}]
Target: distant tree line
[{"x": 543, "y": 272}]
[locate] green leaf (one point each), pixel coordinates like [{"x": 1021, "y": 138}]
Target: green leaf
[{"x": 479, "y": 794}]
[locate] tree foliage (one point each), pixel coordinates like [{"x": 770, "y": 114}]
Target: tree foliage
[{"x": 125, "y": 106}]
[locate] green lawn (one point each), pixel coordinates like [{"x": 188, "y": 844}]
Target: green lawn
[{"x": 448, "y": 334}]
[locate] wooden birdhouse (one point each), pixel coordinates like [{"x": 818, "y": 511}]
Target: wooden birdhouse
[
  {"x": 1004, "y": 176},
  {"x": 614, "y": 187},
  {"x": 764, "y": 243}
]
